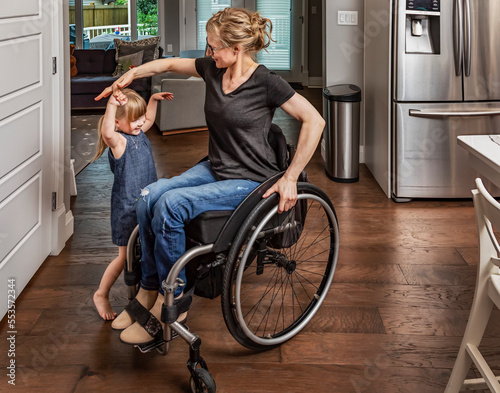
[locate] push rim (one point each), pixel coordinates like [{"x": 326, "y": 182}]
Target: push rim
[{"x": 277, "y": 291}]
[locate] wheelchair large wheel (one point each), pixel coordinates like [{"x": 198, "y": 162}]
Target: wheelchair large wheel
[{"x": 279, "y": 269}]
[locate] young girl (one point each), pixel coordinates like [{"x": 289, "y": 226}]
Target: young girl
[{"x": 122, "y": 129}]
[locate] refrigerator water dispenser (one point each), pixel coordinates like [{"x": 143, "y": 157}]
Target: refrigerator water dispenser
[{"x": 423, "y": 26}]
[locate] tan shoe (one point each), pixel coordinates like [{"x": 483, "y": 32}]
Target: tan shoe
[
  {"x": 135, "y": 334},
  {"x": 144, "y": 297}
]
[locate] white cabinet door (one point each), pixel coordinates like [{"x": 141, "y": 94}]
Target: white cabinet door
[{"x": 26, "y": 140}]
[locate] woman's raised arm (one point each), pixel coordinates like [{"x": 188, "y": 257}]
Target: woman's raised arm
[{"x": 177, "y": 65}]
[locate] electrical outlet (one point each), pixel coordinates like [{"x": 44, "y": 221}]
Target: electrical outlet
[
  {"x": 169, "y": 48},
  {"x": 347, "y": 17}
]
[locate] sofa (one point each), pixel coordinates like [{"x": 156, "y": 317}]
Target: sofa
[
  {"x": 185, "y": 113},
  {"x": 95, "y": 68}
]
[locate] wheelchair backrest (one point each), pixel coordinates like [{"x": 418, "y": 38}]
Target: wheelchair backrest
[
  {"x": 277, "y": 141},
  {"x": 283, "y": 155}
]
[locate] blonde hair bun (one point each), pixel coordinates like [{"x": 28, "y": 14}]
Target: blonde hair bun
[{"x": 238, "y": 26}]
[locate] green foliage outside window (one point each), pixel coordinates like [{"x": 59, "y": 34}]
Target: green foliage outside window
[{"x": 147, "y": 15}]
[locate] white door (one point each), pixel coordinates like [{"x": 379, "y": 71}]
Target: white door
[{"x": 26, "y": 135}]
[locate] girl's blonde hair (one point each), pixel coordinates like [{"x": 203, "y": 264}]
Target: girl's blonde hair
[
  {"x": 236, "y": 26},
  {"x": 132, "y": 110}
]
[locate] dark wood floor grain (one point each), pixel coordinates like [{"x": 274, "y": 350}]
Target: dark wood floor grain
[{"x": 392, "y": 322}]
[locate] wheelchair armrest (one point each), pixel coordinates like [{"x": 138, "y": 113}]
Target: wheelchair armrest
[{"x": 232, "y": 225}]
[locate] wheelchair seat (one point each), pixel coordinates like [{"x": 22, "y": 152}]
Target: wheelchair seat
[
  {"x": 206, "y": 227},
  {"x": 219, "y": 226}
]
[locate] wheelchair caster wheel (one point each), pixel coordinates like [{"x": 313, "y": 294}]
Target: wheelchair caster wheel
[{"x": 202, "y": 382}]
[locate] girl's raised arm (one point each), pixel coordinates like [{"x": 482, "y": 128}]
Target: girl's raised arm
[
  {"x": 151, "y": 110},
  {"x": 110, "y": 137}
]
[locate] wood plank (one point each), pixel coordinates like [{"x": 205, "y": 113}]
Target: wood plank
[
  {"x": 46, "y": 378},
  {"x": 368, "y": 271},
  {"x": 396, "y": 351},
  {"x": 470, "y": 255},
  {"x": 339, "y": 319},
  {"x": 432, "y": 322},
  {"x": 399, "y": 296},
  {"x": 394, "y": 254},
  {"x": 440, "y": 275}
]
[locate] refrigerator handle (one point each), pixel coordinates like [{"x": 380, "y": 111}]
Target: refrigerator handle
[
  {"x": 468, "y": 39},
  {"x": 430, "y": 113},
  {"x": 458, "y": 23}
]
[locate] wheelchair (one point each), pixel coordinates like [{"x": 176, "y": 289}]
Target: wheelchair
[{"x": 272, "y": 271}]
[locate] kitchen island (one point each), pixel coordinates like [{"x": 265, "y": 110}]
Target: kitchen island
[{"x": 484, "y": 154}]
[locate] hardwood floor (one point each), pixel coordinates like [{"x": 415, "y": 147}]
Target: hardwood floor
[{"x": 392, "y": 322}]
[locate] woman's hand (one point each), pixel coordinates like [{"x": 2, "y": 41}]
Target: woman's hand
[
  {"x": 116, "y": 88},
  {"x": 287, "y": 190},
  {"x": 164, "y": 95}
]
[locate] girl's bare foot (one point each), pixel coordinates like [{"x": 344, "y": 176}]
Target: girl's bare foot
[{"x": 103, "y": 306}]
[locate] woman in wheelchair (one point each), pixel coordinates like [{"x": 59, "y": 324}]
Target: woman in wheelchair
[{"x": 241, "y": 98}]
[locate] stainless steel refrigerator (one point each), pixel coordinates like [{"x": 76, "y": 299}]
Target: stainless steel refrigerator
[{"x": 432, "y": 72}]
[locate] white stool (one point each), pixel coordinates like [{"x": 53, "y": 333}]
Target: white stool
[{"x": 486, "y": 295}]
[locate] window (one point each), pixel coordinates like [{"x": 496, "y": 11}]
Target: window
[
  {"x": 104, "y": 20},
  {"x": 278, "y": 56},
  {"x": 147, "y": 17},
  {"x": 204, "y": 11}
]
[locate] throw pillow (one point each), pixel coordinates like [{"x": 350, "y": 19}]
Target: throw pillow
[
  {"x": 150, "y": 46},
  {"x": 72, "y": 61},
  {"x": 128, "y": 61}
]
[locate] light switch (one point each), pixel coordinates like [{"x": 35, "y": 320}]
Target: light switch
[{"x": 347, "y": 17}]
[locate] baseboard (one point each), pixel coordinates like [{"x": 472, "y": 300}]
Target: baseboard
[
  {"x": 63, "y": 226},
  {"x": 315, "y": 81},
  {"x": 183, "y": 131}
]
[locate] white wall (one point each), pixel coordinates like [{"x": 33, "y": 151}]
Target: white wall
[{"x": 344, "y": 47}]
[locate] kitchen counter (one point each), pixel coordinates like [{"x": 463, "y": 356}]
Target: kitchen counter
[{"x": 484, "y": 154}]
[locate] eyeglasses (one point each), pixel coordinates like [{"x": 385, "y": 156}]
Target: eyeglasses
[{"x": 212, "y": 49}]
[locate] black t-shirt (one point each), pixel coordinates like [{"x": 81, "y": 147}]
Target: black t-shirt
[{"x": 239, "y": 122}]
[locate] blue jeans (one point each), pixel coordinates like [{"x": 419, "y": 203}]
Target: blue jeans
[{"x": 165, "y": 206}]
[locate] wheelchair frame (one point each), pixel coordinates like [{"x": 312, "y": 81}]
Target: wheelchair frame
[
  {"x": 202, "y": 381},
  {"x": 227, "y": 250}
]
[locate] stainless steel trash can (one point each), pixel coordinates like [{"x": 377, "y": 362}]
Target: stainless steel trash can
[{"x": 341, "y": 135}]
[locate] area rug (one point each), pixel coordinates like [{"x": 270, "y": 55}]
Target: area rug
[{"x": 83, "y": 140}]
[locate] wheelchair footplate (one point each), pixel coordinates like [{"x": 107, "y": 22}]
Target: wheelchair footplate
[{"x": 157, "y": 343}]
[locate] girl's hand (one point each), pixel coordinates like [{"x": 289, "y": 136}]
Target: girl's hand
[
  {"x": 162, "y": 96},
  {"x": 116, "y": 102}
]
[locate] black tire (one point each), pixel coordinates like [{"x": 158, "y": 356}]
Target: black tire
[
  {"x": 273, "y": 296},
  {"x": 206, "y": 383}
]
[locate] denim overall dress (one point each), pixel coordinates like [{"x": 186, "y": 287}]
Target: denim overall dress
[{"x": 133, "y": 171}]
